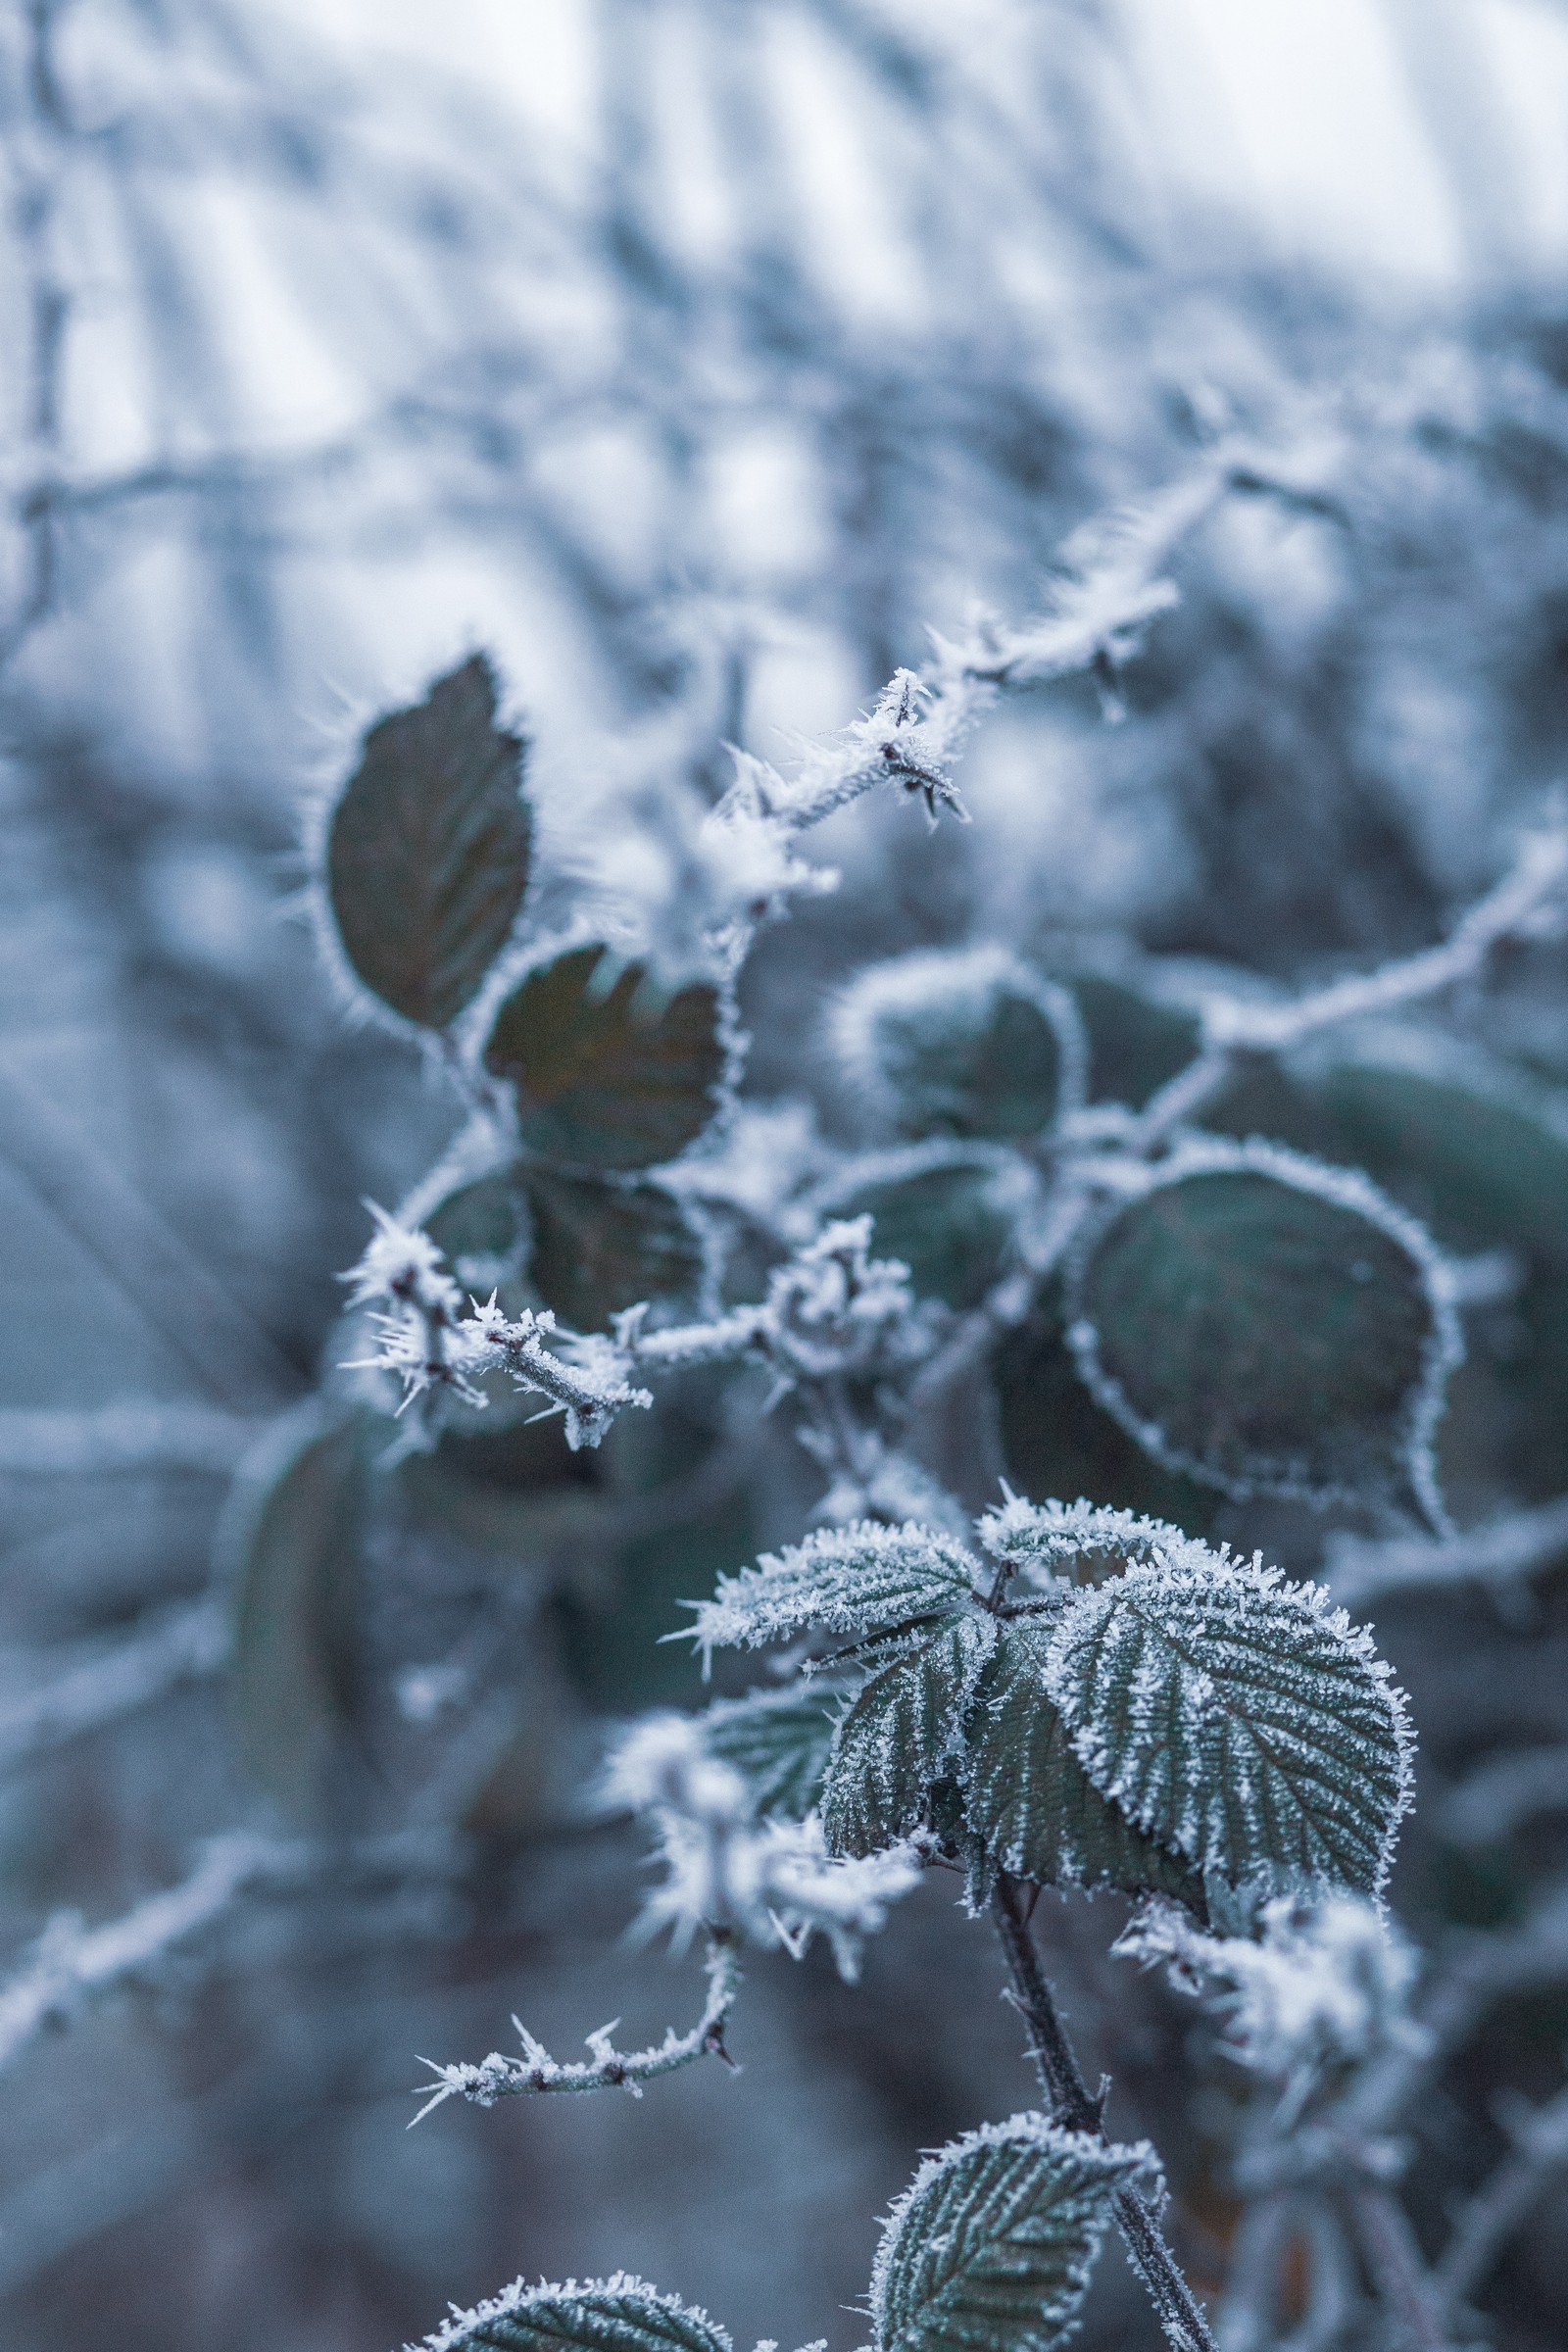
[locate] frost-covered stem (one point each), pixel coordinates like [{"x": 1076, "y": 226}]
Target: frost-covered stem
[
  {"x": 192, "y": 1642},
  {"x": 1061, "y": 2079},
  {"x": 502, "y": 2076},
  {"x": 124, "y": 1437},
  {"x": 1516, "y": 906},
  {"x": 1398, "y": 2271},
  {"x": 1357, "y": 1568},
  {"x": 1501, "y": 2204},
  {"x": 71, "y": 1962},
  {"x": 1183, "y": 1096},
  {"x": 1245, "y": 2322}
]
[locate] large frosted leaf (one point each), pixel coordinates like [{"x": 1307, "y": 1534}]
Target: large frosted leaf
[
  {"x": 1030, "y": 1802},
  {"x": 427, "y": 851},
  {"x": 950, "y": 1223},
  {"x": 294, "y": 1543},
  {"x": 599, "y": 1247},
  {"x": 778, "y": 1742},
  {"x": 966, "y": 1042},
  {"x": 1270, "y": 1326},
  {"x": 1235, "y": 1717},
  {"x": 991, "y": 2247},
  {"x": 622, "y": 2313},
  {"x": 903, "y": 1732},
  {"x": 607, "y": 1074},
  {"x": 862, "y": 1578}
]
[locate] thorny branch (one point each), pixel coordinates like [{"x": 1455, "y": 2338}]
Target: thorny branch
[{"x": 502, "y": 2076}]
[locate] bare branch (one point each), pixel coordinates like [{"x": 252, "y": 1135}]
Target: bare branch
[
  {"x": 1503, "y": 1551},
  {"x": 113, "y": 1681}
]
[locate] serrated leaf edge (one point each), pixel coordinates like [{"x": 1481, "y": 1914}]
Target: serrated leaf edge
[
  {"x": 1114, "y": 2159},
  {"x": 461, "y": 2327},
  {"x": 1192, "y": 1554}
]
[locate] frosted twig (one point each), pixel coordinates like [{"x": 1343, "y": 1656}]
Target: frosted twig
[
  {"x": 502, "y": 2076},
  {"x": 1506, "y": 1791},
  {"x": 1397, "y": 2267},
  {"x": 141, "y": 1435},
  {"x": 1501, "y": 1551},
  {"x": 1518, "y": 906},
  {"x": 113, "y": 1681},
  {"x": 1540, "y": 2148},
  {"x": 71, "y": 1962}
]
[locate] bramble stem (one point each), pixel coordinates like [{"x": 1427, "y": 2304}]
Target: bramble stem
[{"x": 1067, "y": 2096}]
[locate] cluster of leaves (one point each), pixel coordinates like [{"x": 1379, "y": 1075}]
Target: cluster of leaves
[{"x": 1102, "y": 1701}]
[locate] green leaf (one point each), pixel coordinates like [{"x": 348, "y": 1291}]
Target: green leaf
[
  {"x": 622, "y": 2313},
  {"x": 1028, "y": 1799},
  {"x": 778, "y": 1742},
  {"x": 608, "y": 1075},
  {"x": 899, "y": 1736},
  {"x": 1270, "y": 1326},
  {"x": 1057, "y": 1440},
  {"x": 966, "y": 1042},
  {"x": 1136, "y": 1042},
  {"x": 950, "y": 1224},
  {"x": 862, "y": 1578},
  {"x": 295, "y": 1544},
  {"x": 599, "y": 1247},
  {"x": 991, "y": 2246},
  {"x": 1235, "y": 1717},
  {"x": 427, "y": 851}
]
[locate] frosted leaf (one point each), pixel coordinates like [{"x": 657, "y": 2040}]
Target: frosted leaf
[
  {"x": 902, "y": 1732},
  {"x": 991, "y": 2247},
  {"x": 1046, "y": 1541},
  {"x": 1269, "y": 1325},
  {"x": 427, "y": 850},
  {"x": 778, "y": 1742},
  {"x": 601, "y": 1246},
  {"x": 862, "y": 1579},
  {"x": 1240, "y": 1719},
  {"x": 618, "y": 2314},
  {"x": 610, "y": 1072},
  {"x": 950, "y": 1213},
  {"x": 1030, "y": 1803},
  {"x": 965, "y": 1042}
]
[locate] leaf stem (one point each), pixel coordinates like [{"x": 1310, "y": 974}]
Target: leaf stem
[{"x": 1177, "y": 2309}]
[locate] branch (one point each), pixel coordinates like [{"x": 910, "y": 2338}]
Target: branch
[
  {"x": 1503, "y": 1551},
  {"x": 123, "y": 1437},
  {"x": 1494, "y": 1799},
  {"x": 501, "y": 2076},
  {"x": 189, "y": 1643},
  {"x": 1540, "y": 2148},
  {"x": 1393, "y": 2258},
  {"x": 1177, "y": 2309},
  {"x": 70, "y": 1963}
]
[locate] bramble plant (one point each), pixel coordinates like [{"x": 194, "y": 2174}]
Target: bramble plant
[{"x": 1046, "y": 1694}]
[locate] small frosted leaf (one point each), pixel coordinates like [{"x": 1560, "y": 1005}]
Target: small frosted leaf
[
  {"x": 1031, "y": 1804},
  {"x": 620, "y": 2314},
  {"x": 778, "y": 1742},
  {"x": 1269, "y": 1325},
  {"x": 297, "y": 1576},
  {"x": 1234, "y": 1717},
  {"x": 966, "y": 1042},
  {"x": 427, "y": 851},
  {"x": 900, "y": 1736},
  {"x": 862, "y": 1579},
  {"x": 1079, "y": 1541},
  {"x": 991, "y": 2247},
  {"x": 607, "y": 1073},
  {"x": 950, "y": 1224},
  {"x": 600, "y": 1247}
]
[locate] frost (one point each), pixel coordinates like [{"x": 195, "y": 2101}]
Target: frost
[
  {"x": 618, "y": 2314},
  {"x": 850, "y": 1580},
  {"x": 1326, "y": 1985},
  {"x": 1043, "y": 1540}
]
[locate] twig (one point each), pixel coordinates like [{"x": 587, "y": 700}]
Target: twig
[
  {"x": 187, "y": 1645},
  {"x": 1398, "y": 2271},
  {"x": 1061, "y": 2079},
  {"x": 1540, "y": 2148},
  {"x": 1357, "y": 1568},
  {"x": 132, "y": 1436},
  {"x": 501, "y": 2076}
]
